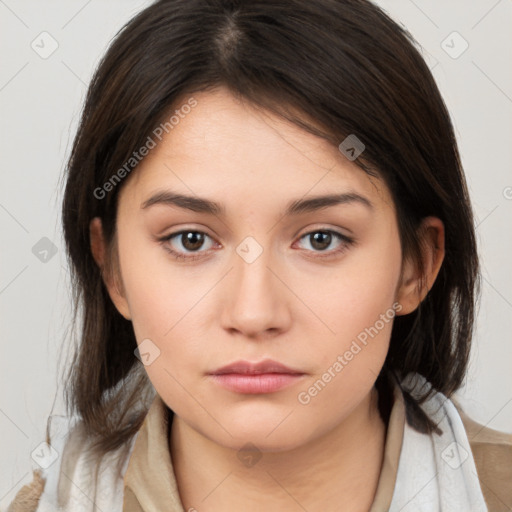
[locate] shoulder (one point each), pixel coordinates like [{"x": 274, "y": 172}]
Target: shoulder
[
  {"x": 27, "y": 498},
  {"x": 492, "y": 452},
  {"x": 46, "y": 462},
  {"x": 76, "y": 477}
]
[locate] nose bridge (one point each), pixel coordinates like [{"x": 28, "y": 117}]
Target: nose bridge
[
  {"x": 256, "y": 296},
  {"x": 252, "y": 276}
]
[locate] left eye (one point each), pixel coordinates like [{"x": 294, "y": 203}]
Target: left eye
[{"x": 320, "y": 240}]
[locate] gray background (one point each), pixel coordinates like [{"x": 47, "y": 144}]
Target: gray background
[{"x": 40, "y": 100}]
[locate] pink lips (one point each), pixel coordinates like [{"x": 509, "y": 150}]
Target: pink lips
[{"x": 253, "y": 378}]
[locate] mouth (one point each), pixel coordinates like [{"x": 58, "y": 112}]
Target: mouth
[{"x": 256, "y": 378}]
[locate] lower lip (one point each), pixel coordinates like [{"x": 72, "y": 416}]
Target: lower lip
[{"x": 253, "y": 384}]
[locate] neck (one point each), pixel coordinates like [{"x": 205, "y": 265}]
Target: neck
[{"x": 340, "y": 468}]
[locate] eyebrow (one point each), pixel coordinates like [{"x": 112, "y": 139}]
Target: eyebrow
[{"x": 295, "y": 207}]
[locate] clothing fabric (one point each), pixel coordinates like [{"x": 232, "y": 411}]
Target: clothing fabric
[
  {"x": 468, "y": 467},
  {"x": 436, "y": 472}
]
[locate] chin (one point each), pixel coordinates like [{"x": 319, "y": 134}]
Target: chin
[
  {"x": 264, "y": 443},
  {"x": 269, "y": 431}
]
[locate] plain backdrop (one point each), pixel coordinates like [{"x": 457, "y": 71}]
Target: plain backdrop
[{"x": 468, "y": 46}]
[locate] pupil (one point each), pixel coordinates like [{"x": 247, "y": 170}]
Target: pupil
[{"x": 321, "y": 240}]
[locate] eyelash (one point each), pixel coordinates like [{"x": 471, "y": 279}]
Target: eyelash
[{"x": 346, "y": 243}]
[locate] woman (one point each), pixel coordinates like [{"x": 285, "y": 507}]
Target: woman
[{"x": 272, "y": 242}]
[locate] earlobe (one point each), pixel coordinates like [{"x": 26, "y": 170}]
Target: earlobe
[
  {"x": 417, "y": 281},
  {"x": 98, "y": 249}
]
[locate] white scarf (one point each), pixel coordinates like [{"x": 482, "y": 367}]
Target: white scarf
[{"x": 436, "y": 473}]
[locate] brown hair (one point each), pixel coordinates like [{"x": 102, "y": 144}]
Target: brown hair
[{"x": 345, "y": 66}]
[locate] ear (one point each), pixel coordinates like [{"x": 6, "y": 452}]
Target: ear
[
  {"x": 98, "y": 249},
  {"x": 416, "y": 282}
]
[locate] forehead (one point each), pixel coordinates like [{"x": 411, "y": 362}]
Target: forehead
[{"x": 225, "y": 148}]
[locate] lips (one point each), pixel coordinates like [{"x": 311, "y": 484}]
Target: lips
[
  {"x": 244, "y": 377},
  {"x": 267, "y": 366}
]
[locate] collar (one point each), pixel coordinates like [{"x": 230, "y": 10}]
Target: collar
[{"x": 149, "y": 481}]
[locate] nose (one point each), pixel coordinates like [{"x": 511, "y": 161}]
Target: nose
[{"x": 256, "y": 298}]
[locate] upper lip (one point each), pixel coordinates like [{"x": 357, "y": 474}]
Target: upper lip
[{"x": 248, "y": 368}]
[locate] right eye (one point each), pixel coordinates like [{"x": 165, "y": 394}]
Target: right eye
[{"x": 186, "y": 240}]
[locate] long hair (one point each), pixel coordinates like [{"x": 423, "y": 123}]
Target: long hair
[{"x": 332, "y": 67}]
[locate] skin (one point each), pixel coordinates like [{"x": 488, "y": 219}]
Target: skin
[{"x": 291, "y": 304}]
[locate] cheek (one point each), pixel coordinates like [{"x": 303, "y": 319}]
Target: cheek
[
  {"x": 354, "y": 295},
  {"x": 163, "y": 302},
  {"x": 358, "y": 304},
  {"x": 352, "y": 357},
  {"x": 166, "y": 316}
]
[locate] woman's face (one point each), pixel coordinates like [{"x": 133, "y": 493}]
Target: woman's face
[{"x": 266, "y": 275}]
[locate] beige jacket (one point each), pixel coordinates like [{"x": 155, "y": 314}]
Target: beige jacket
[{"x": 150, "y": 483}]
